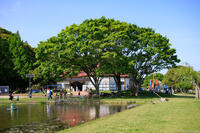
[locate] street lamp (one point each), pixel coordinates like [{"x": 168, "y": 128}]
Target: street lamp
[{"x": 30, "y": 76}]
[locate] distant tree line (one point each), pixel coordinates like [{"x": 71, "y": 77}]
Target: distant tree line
[{"x": 183, "y": 78}]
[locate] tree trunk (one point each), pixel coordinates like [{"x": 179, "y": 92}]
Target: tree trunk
[
  {"x": 131, "y": 82},
  {"x": 97, "y": 89},
  {"x": 134, "y": 85},
  {"x": 95, "y": 81},
  {"x": 118, "y": 83},
  {"x": 197, "y": 90}
]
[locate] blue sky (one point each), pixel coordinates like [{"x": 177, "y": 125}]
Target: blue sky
[{"x": 38, "y": 20}]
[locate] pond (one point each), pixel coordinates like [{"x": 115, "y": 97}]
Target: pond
[{"x": 51, "y": 117}]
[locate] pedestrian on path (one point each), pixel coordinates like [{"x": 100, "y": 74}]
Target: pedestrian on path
[{"x": 49, "y": 92}]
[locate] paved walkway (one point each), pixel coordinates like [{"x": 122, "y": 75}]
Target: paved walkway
[{"x": 34, "y": 95}]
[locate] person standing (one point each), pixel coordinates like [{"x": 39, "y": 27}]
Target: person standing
[
  {"x": 49, "y": 92},
  {"x": 10, "y": 96},
  {"x": 30, "y": 93},
  {"x": 65, "y": 93}
]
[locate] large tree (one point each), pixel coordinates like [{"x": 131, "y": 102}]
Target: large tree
[
  {"x": 115, "y": 60},
  {"x": 81, "y": 47},
  {"x": 148, "y": 52},
  {"x": 99, "y": 46}
]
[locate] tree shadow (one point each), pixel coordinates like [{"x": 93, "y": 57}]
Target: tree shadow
[
  {"x": 183, "y": 96},
  {"x": 148, "y": 95}
]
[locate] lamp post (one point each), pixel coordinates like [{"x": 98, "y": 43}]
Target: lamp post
[{"x": 30, "y": 76}]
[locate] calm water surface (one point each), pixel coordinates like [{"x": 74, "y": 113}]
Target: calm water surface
[{"x": 51, "y": 117}]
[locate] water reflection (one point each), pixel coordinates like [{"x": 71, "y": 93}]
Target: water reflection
[
  {"x": 49, "y": 110},
  {"x": 52, "y": 117}
]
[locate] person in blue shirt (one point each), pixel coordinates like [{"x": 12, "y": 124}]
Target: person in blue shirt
[{"x": 49, "y": 92}]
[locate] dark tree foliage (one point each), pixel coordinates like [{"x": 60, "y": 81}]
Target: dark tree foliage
[{"x": 17, "y": 58}]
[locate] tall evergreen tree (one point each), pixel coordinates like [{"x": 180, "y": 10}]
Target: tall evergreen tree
[
  {"x": 17, "y": 58},
  {"x": 22, "y": 55}
]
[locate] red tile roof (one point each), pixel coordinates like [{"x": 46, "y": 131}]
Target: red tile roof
[{"x": 83, "y": 74}]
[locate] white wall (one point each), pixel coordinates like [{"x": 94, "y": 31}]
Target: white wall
[
  {"x": 104, "y": 85},
  {"x": 64, "y": 84}
]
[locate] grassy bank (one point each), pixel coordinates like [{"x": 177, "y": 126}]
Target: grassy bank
[
  {"x": 108, "y": 100},
  {"x": 125, "y": 98},
  {"x": 4, "y": 101},
  {"x": 178, "y": 115},
  {"x": 102, "y": 100}
]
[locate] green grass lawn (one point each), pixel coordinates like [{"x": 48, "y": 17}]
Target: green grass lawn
[
  {"x": 181, "y": 114},
  {"x": 24, "y": 100},
  {"x": 126, "y": 98}
]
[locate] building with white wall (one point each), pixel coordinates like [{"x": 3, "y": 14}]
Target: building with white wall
[{"x": 82, "y": 83}]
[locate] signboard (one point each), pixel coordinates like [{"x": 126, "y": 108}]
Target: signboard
[
  {"x": 4, "y": 89},
  {"x": 30, "y": 75}
]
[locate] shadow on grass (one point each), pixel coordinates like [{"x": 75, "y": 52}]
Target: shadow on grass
[
  {"x": 183, "y": 96},
  {"x": 145, "y": 95}
]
